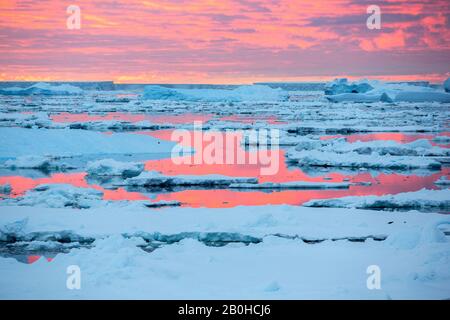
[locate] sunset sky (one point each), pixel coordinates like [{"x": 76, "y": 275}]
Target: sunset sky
[{"x": 223, "y": 41}]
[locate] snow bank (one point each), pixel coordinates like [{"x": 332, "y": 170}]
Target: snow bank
[
  {"x": 43, "y": 88},
  {"x": 17, "y": 142},
  {"x": 110, "y": 167},
  {"x": 156, "y": 179},
  {"x": 423, "y": 199},
  {"x": 242, "y": 93}
]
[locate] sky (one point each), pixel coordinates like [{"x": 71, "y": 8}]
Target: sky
[{"x": 224, "y": 41}]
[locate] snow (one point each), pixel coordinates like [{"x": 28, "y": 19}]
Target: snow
[
  {"x": 414, "y": 257},
  {"x": 423, "y": 199},
  {"x": 242, "y": 93},
  {"x": 156, "y": 179},
  {"x": 43, "y": 88},
  {"x": 110, "y": 167},
  {"x": 17, "y": 142}
]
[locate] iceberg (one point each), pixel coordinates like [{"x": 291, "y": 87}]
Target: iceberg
[
  {"x": 43, "y": 88},
  {"x": 367, "y": 91},
  {"x": 239, "y": 94},
  {"x": 339, "y": 86},
  {"x": 447, "y": 85}
]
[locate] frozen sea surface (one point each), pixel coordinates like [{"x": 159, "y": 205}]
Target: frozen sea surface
[{"x": 68, "y": 162}]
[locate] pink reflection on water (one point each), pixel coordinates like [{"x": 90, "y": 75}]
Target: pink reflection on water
[
  {"x": 67, "y": 117},
  {"x": 380, "y": 185},
  {"x": 33, "y": 258},
  {"x": 392, "y": 136}
]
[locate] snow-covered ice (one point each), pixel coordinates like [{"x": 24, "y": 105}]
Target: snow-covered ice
[
  {"x": 17, "y": 142},
  {"x": 156, "y": 179}
]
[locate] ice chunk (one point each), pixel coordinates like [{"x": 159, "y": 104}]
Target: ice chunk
[
  {"x": 58, "y": 196},
  {"x": 5, "y": 188},
  {"x": 110, "y": 167},
  {"x": 242, "y": 93}
]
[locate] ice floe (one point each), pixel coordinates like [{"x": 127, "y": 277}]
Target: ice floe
[
  {"x": 423, "y": 199},
  {"x": 16, "y": 142},
  {"x": 157, "y": 179},
  {"x": 373, "y": 154},
  {"x": 292, "y": 185}
]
